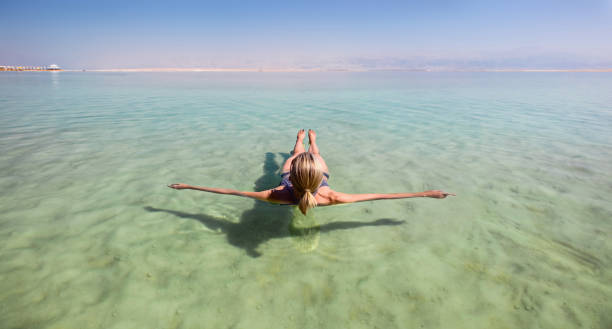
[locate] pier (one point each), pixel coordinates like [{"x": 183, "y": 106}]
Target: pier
[{"x": 51, "y": 67}]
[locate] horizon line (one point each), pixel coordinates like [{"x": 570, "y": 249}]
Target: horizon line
[{"x": 296, "y": 70}]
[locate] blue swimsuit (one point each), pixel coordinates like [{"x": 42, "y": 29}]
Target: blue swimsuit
[{"x": 286, "y": 182}]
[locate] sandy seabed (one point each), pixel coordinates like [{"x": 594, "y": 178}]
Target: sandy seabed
[{"x": 90, "y": 236}]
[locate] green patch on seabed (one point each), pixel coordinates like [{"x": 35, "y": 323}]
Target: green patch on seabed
[{"x": 304, "y": 230}]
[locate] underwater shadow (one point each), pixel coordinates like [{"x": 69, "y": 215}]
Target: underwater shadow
[{"x": 265, "y": 221}]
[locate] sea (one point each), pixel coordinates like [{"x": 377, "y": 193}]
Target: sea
[{"x": 92, "y": 237}]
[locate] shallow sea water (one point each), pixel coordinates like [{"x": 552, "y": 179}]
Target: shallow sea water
[{"x": 91, "y": 237}]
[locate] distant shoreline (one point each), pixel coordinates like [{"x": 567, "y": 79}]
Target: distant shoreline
[
  {"x": 290, "y": 70},
  {"x": 298, "y": 70}
]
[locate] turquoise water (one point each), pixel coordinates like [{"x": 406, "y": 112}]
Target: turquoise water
[{"x": 91, "y": 237}]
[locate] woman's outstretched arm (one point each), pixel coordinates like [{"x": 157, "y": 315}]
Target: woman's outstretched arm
[
  {"x": 262, "y": 195},
  {"x": 339, "y": 197}
]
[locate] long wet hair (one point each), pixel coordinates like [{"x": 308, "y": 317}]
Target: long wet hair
[{"x": 306, "y": 176}]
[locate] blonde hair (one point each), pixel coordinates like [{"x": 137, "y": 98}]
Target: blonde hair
[{"x": 306, "y": 176}]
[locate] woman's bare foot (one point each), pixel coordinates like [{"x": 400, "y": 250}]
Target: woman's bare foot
[
  {"x": 312, "y": 136},
  {"x": 299, "y": 143},
  {"x": 300, "y": 134}
]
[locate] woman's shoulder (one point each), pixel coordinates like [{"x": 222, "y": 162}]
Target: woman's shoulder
[
  {"x": 281, "y": 194},
  {"x": 325, "y": 196}
]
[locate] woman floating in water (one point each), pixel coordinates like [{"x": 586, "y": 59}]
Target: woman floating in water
[{"x": 304, "y": 183}]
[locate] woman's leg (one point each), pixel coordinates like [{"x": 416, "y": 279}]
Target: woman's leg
[
  {"x": 297, "y": 149},
  {"x": 299, "y": 143},
  {"x": 314, "y": 149}
]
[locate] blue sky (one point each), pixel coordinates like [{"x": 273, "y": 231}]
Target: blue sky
[{"x": 456, "y": 34}]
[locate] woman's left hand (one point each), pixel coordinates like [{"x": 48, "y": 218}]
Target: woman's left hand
[{"x": 437, "y": 194}]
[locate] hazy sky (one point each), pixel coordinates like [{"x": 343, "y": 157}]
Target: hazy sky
[{"x": 119, "y": 34}]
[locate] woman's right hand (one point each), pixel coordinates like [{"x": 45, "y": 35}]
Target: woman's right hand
[{"x": 179, "y": 186}]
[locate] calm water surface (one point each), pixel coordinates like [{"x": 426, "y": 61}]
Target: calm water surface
[{"x": 90, "y": 237}]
